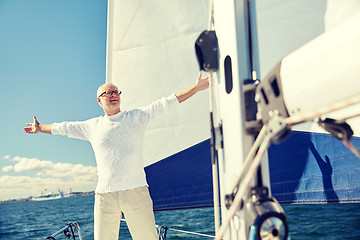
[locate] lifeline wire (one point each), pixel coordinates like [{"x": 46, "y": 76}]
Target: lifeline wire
[
  {"x": 193, "y": 233},
  {"x": 177, "y": 230}
]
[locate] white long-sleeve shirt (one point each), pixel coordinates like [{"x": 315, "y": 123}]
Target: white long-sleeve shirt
[{"x": 117, "y": 142}]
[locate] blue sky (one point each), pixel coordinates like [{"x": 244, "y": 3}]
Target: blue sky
[{"x": 52, "y": 60}]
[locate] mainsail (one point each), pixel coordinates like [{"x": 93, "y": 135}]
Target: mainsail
[{"x": 150, "y": 54}]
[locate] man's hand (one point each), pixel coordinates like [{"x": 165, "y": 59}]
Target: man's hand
[
  {"x": 202, "y": 83},
  {"x": 36, "y": 127}
]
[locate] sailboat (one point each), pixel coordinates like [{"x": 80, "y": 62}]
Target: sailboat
[
  {"x": 48, "y": 196},
  {"x": 150, "y": 54}
]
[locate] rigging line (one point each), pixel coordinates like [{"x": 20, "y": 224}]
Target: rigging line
[
  {"x": 250, "y": 43},
  {"x": 245, "y": 184},
  {"x": 299, "y": 118},
  {"x": 211, "y": 16},
  {"x": 347, "y": 118},
  {"x": 352, "y": 148},
  {"x": 250, "y": 156},
  {"x": 308, "y": 116}
]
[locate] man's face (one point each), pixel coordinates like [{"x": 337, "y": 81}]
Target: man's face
[{"x": 109, "y": 98}]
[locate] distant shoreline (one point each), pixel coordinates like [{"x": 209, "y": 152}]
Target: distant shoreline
[{"x": 29, "y": 199}]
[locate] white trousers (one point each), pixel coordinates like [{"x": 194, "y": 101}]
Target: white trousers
[{"x": 137, "y": 207}]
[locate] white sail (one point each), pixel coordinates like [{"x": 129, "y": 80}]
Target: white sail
[{"x": 150, "y": 54}]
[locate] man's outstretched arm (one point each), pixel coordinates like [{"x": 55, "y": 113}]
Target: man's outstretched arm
[
  {"x": 201, "y": 84},
  {"x": 36, "y": 127}
]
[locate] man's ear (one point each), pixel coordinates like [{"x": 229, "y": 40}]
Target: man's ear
[{"x": 99, "y": 101}]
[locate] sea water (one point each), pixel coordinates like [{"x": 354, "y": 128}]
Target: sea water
[{"x": 38, "y": 220}]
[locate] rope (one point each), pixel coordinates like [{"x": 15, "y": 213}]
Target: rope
[
  {"x": 211, "y": 16},
  {"x": 352, "y": 148},
  {"x": 347, "y": 118},
  {"x": 245, "y": 184},
  {"x": 309, "y": 116},
  {"x": 249, "y": 157}
]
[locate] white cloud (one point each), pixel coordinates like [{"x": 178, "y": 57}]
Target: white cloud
[
  {"x": 25, "y": 164},
  {"x": 7, "y": 168},
  {"x": 49, "y": 175},
  {"x": 50, "y": 169},
  {"x": 6, "y": 157},
  {"x": 67, "y": 170}
]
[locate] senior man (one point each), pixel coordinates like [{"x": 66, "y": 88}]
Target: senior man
[{"x": 117, "y": 141}]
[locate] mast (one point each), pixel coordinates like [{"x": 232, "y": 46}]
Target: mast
[
  {"x": 229, "y": 89},
  {"x": 237, "y": 63},
  {"x": 235, "y": 127}
]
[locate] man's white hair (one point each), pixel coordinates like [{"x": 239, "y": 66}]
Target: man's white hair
[{"x": 100, "y": 89}]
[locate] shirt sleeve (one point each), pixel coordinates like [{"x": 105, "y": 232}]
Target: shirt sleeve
[
  {"x": 158, "y": 107},
  {"x": 79, "y": 130}
]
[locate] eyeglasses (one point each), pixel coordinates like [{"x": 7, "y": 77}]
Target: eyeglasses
[{"x": 109, "y": 93}]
